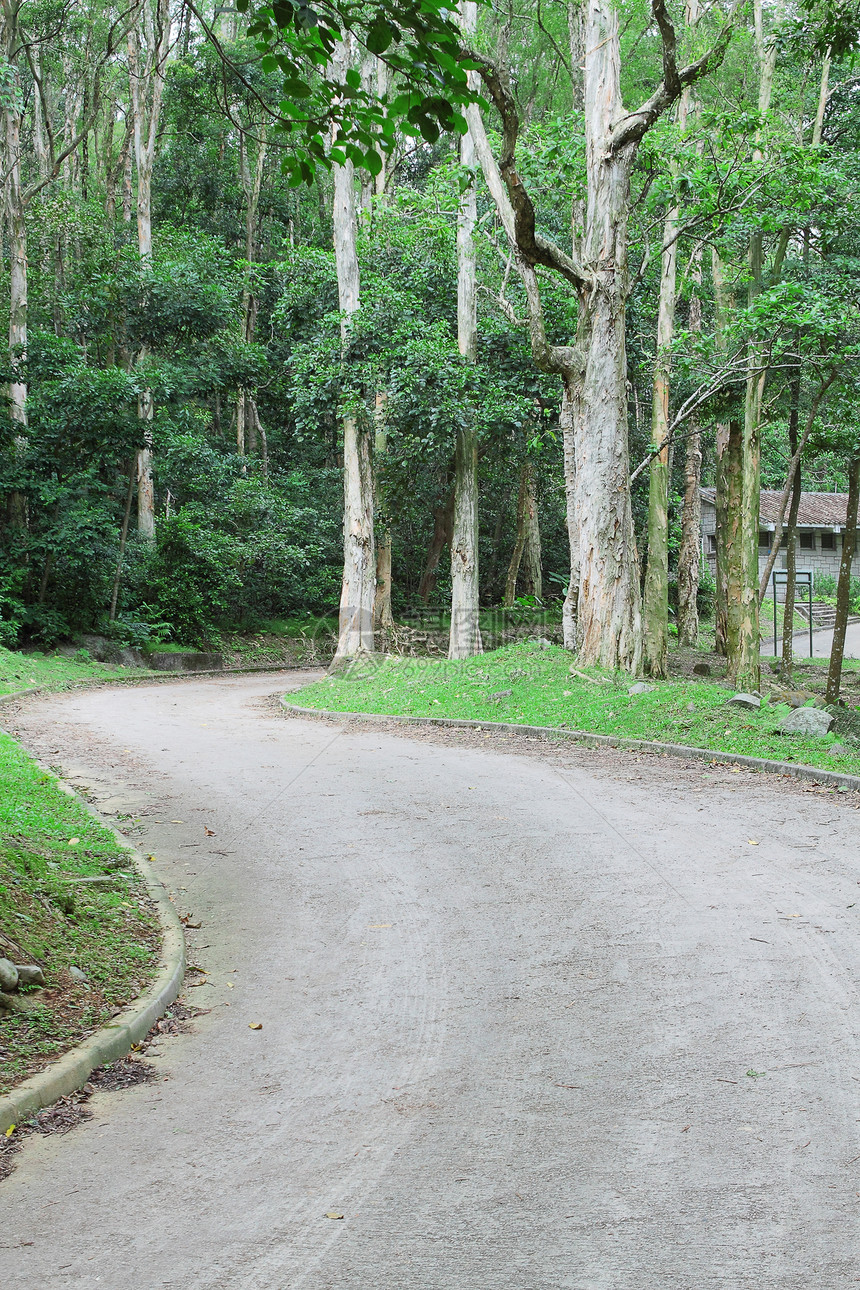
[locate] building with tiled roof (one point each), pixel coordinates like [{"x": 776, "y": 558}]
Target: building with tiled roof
[{"x": 820, "y": 524}]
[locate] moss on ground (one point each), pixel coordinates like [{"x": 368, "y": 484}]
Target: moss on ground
[{"x": 535, "y": 684}]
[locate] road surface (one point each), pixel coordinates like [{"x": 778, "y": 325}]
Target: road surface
[
  {"x": 533, "y": 1018},
  {"x": 822, "y": 642}
]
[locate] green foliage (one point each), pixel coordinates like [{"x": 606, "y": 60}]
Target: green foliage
[{"x": 417, "y": 39}]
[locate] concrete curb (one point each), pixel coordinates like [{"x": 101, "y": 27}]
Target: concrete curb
[
  {"x": 73, "y": 1069},
  {"x": 793, "y": 769}
]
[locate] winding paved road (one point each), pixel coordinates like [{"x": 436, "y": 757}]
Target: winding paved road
[{"x": 533, "y": 1017}]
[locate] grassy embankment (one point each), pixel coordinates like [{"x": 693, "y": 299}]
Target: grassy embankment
[
  {"x": 56, "y": 671},
  {"x": 533, "y": 685},
  {"x": 51, "y": 911},
  {"x": 69, "y": 897}
]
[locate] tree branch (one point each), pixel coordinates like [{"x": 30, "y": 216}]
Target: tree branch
[
  {"x": 632, "y": 127},
  {"x": 549, "y": 358},
  {"x": 531, "y": 245}
]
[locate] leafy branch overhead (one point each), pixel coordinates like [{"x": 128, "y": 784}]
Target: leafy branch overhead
[{"x": 326, "y": 119}]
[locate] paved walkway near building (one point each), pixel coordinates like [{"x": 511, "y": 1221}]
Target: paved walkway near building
[
  {"x": 822, "y": 643},
  {"x": 534, "y": 1017}
]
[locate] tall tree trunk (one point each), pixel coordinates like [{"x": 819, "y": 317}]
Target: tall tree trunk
[
  {"x": 520, "y": 538},
  {"x": 729, "y": 544},
  {"x": 465, "y": 633},
  {"x": 745, "y": 645},
  {"x": 571, "y": 598},
  {"x": 689, "y": 553},
  {"x": 443, "y": 524},
  {"x": 656, "y": 599},
  {"x": 527, "y": 542},
  {"x": 609, "y": 620},
  {"x": 791, "y": 545},
  {"x": 17, "y": 230},
  {"x": 532, "y": 558},
  {"x": 251, "y": 186},
  {"x": 843, "y": 590},
  {"x": 383, "y": 619},
  {"x": 148, "y": 44},
  {"x": 358, "y": 591},
  {"x": 123, "y": 537},
  {"x": 726, "y": 444}
]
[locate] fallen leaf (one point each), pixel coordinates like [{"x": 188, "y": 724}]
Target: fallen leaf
[
  {"x": 230, "y": 985},
  {"x": 151, "y": 858},
  {"x": 10, "y": 1130},
  {"x": 752, "y": 842},
  {"x": 332, "y": 1213},
  {"x": 73, "y": 842},
  {"x": 210, "y": 833},
  {"x": 375, "y": 927},
  {"x": 255, "y": 1025}
]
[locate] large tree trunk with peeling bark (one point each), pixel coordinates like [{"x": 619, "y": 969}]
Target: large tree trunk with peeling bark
[
  {"x": 609, "y": 604},
  {"x": 464, "y": 638},
  {"x": 358, "y": 591},
  {"x": 609, "y": 619},
  {"x": 609, "y": 624}
]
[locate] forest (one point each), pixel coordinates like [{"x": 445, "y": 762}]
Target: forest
[{"x": 392, "y": 311}]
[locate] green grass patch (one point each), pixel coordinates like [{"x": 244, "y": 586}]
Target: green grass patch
[
  {"x": 107, "y": 929},
  {"x": 532, "y": 684},
  {"x": 56, "y": 671},
  {"x": 766, "y": 619}
]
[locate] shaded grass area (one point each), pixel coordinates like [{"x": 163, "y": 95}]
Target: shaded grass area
[
  {"x": 69, "y": 897},
  {"x": 56, "y": 671},
  {"x": 533, "y": 684},
  {"x": 766, "y": 619}
]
